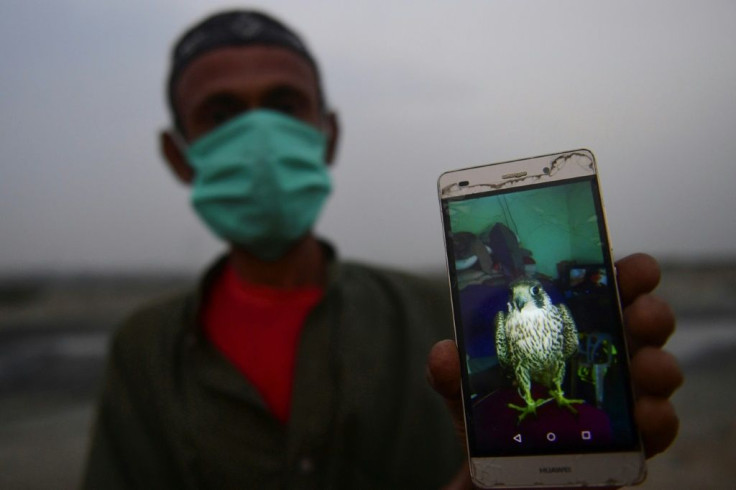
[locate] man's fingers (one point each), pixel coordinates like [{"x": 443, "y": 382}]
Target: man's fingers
[
  {"x": 649, "y": 321},
  {"x": 655, "y": 372},
  {"x": 658, "y": 423},
  {"x": 443, "y": 369},
  {"x": 637, "y": 274},
  {"x": 443, "y": 373}
]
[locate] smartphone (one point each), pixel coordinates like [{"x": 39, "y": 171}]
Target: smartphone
[{"x": 538, "y": 324}]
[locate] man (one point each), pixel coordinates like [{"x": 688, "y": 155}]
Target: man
[{"x": 289, "y": 368}]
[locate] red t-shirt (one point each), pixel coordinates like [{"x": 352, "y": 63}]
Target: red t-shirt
[{"x": 257, "y": 328}]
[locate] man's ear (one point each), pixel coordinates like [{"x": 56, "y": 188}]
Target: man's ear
[
  {"x": 333, "y": 133},
  {"x": 175, "y": 158}
]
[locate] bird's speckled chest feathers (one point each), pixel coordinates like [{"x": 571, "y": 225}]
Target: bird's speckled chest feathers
[{"x": 535, "y": 334}]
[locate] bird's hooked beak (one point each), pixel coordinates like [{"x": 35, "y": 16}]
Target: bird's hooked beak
[{"x": 519, "y": 303}]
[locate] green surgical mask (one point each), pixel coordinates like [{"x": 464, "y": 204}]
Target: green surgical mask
[{"x": 260, "y": 181}]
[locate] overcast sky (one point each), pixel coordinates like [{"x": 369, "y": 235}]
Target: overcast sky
[{"x": 420, "y": 86}]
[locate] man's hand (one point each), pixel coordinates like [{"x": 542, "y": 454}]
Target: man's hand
[{"x": 654, "y": 372}]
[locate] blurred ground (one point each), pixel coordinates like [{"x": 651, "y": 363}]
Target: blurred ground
[{"x": 53, "y": 335}]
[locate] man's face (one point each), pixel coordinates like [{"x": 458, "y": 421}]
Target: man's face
[{"x": 227, "y": 82}]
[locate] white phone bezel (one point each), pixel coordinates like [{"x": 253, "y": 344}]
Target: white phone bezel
[{"x": 582, "y": 469}]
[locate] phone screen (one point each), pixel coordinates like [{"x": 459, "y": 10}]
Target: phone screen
[{"x": 537, "y": 320}]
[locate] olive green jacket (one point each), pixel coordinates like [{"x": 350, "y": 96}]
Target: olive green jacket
[{"x": 174, "y": 414}]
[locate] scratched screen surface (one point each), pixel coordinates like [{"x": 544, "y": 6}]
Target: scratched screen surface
[{"x": 537, "y": 322}]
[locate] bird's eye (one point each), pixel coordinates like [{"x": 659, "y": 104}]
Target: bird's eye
[{"x": 535, "y": 290}]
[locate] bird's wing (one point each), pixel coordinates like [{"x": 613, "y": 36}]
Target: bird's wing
[
  {"x": 569, "y": 331},
  {"x": 501, "y": 348}
]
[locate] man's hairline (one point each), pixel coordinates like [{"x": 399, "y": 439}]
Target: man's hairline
[{"x": 171, "y": 88}]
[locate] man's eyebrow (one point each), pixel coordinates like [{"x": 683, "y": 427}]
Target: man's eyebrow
[
  {"x": 219, "y": 98},
  {"x": 287, "y": 89}
]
